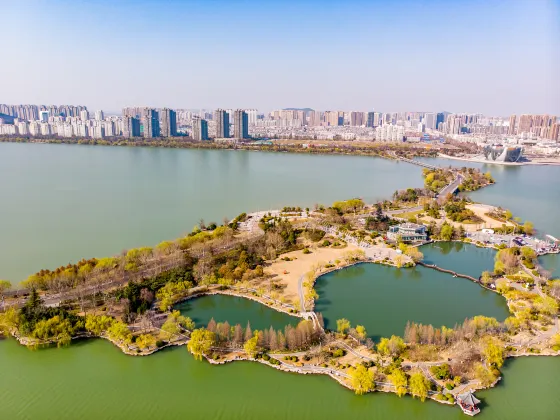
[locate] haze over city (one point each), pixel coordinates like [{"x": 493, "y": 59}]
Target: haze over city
[{"x": 496, "y": 58}]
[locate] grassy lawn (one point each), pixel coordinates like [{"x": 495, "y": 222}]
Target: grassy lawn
[{"x": 409, "y": 214}]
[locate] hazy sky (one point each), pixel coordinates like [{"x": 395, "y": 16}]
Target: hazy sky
[{"x": 494, "y": 57}]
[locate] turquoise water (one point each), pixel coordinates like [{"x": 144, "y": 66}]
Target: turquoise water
[
  {"x": 460, "y": 257},
  {"x": 61, "y": 203},
  {"x": 234, "y": 310},
  {"x": 384, "y": 298}
]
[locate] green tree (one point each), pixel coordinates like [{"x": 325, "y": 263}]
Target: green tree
[
  {"x": 508, "y": 215},
  {"x": 251, "y": 345},
  {"x": 393, "y": 346},
  {"x": 486, "y": 376},
  {"x": 493, "y": 352},
  {"x": 201, "y": 342},
  {"x": 399, "y": 379},
  {"x": 528, "y": 228},
  {"x": 97, "y": 324},
  {"x": 486, "y": 278},
  {"x": 145, "y": 341},
  {"x": 119, "y": 332},
  {"x": 342, "y": 325},
  {"x": 361, "y": 330},
  {"x": 446, "y": 232},
  {"x": 441, "y": 371},
  {"x": 362, "y": 379},
  {"x": 419, "y": 386}
]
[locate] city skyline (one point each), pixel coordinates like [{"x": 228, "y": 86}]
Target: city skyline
[{"x": 460, "y": 56}]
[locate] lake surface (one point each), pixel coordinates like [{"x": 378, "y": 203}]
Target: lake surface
[
  {"x": 64, "y": 202},
  {"x": 61, "y": 203},
  {"x": 551, "y": 262},
  {"x": 530, "y": 192},
  {"x": 384, "y": 298},
  {"x": 94, "y": 380},
  {"x": 460, "y": 257},
  {"x": 234, "y": 310}
]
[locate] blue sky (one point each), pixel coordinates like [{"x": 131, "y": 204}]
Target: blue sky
[{"x": 495, "y": 57}]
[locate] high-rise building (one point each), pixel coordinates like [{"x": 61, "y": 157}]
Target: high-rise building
[
  {"x": 84, "y": 115},
  {"x": 332, "y": 118},
  {"x": 240, "y": 124},
  {"x": 44, "y": 116},
  {"x": 252, "y": 113},
  {"x": 131, "y": 127},
  {"x": 430, "y": 121},
  {"x": 222, "y": 123},
  {"x": 168, "y": 123},
  {"x": 99, "y": 115},
  {"x": 356, "y": 119},
  {"x": 199, "y": 129},
  {"x": 150, "y": 121},
  {"x": 511, "y": 128},
  {"x": 440, "y": 119},
  {"x": 370, "y": 119}
]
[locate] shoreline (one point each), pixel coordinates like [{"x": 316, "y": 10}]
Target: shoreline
[{"x": 491, "y": 162}]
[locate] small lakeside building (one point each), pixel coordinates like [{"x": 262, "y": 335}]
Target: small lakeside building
[{"x": 408, "y": 232}]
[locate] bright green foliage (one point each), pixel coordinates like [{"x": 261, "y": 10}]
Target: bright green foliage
[
  {"x": 348, "y": 205},
  {"x": 201, "y": 342},
  {"x": 546, "y": 305},
  {"x": 251, "y": 346},
  {"x": 493, "y": 352},
  {"x": 362, "y": 379},
  {"x": 361, "y": 330},
  {"x": 97, "y": 324},
  {"x": 55, "y": 328},
  {"x": 342, "y": 325},
  {"x": 419, "y": 386},
  {"x": 8, "y": 319},
  {"x": 399, "y": 379},
  {"x": 172, "y": 292},
  {"x": 119, "y": 332},
  {"x": 175, "y": 321},
  {"x": 393, "y": 346},
  {"x": 446, "y": 232},
  {"x": 4, "y": 285},
  {"x": 441, "y": 371},
  {"x": 486, "y": 376},
  {"x": 145, "y": 341}
]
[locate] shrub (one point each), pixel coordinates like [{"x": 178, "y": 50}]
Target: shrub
[
  {"x": 449, "y": 386},
  {"x": 266, "y": 357},
  {"x": 306, "y": 251},
  {"x": 338, "y": 353},
  {"x": 160, "y": 343}
]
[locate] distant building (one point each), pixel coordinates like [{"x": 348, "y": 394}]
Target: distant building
[
  {"x": 240, "y": 124},
  {"x": 499, "y": 153},
  {"x": 511, "y": 128},
  {"x": 84, "y": 115},
  {"x": 44, "y": 116},
  {"x": 168, "y": 123},
  {"x": 99, "y": 115},
  {"x": 222, "y": 123},
  {"x": 408, "y": 232},
  {"x": 131, "y": 127},
  {"x": 150, "y": 121},
  {"x": 199, "y": 129}
]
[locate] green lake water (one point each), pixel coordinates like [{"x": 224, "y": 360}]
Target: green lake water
[
  {"x": 61, "y": 203},
  {"x": 551, "y": 262},
  {"x": 94, "y": 380},
  {"x": 384, "y": 298},
  {"x": 531, "y": 192},
  {"x": 234, "y": 310},
  {"x": 460, "y": 257}
]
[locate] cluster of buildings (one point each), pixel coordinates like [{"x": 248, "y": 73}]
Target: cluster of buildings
[{"x": 305, "y": 124}]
